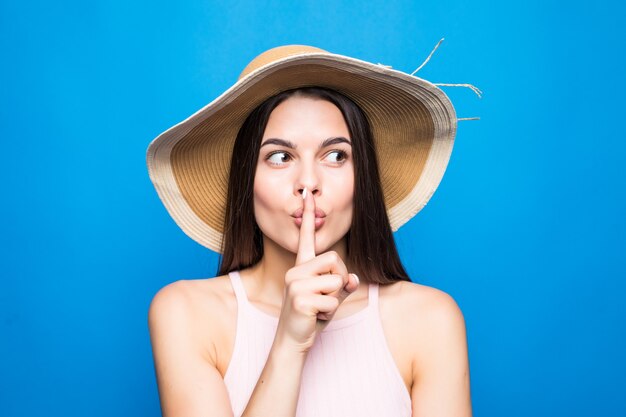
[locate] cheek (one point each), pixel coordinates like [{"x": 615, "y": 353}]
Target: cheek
[
  {"x": 269, "y": 196},
  {"x": 348, "y": 202},
  {"x": 262, "y": 202},
  {"x": 343, "y": 193}
]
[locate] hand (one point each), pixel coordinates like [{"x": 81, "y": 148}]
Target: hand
[{"x": 314, "y": 287}]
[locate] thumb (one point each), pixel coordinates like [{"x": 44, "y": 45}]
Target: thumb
[{"x": 351, "y": 286}]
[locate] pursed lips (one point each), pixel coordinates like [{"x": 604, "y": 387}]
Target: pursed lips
[
  {"x": 319, "y": 213},
  {"x": 319, "y": 217}
]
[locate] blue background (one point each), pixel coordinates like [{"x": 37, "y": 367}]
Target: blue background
[{"x": 526, "y": 231}]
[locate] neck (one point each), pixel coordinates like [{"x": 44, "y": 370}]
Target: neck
[{"x": 267, "y": 277}]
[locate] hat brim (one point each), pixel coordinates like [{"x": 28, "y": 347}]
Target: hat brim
[{"x": 413, "y": 123}]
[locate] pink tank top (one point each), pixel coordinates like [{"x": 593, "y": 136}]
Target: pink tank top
[{"x": 349, "y": 371}]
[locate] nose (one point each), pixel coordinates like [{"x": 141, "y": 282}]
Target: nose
[{"x": 308, "y": 178}]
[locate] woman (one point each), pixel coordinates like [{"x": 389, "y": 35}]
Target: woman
[{"x": 312, "y": 312}]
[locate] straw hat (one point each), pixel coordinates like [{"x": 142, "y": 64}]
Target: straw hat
[{"x": 413, "y": 123}]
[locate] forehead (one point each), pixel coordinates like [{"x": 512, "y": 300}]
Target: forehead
[{"x": 305, "y": 119}]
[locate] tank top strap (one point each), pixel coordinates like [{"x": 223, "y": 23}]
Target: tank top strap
[
  {"x": 372, "y": 296},
  {"x": 249, "y": 311},
  {"x": 240, "y": 291}
]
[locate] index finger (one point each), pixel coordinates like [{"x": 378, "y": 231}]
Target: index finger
[{"x": 306, "y": 242}]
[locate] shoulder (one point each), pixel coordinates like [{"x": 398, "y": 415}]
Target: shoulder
[
  {"x": 190, "y": 294},
  {"x": 430, "y": 318},
  {"x": 429, "y": 304},
  {"x": 437, "y": 344},
  {"x": 182, "y": 331},
  {"x": 435, "y": 326},
  {"x": 188, "y": 308},
  {"x": 426, "y": 305}
]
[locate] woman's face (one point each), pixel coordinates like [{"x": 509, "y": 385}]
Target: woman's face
[{"x": 306, "y": 144}]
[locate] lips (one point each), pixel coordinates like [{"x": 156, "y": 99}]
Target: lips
[
  {"x": 319, "y": 213},
  {"x": 319, "y": 217}
]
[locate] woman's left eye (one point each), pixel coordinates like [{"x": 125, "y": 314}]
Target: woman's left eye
[{"x": 337, "y": 156}]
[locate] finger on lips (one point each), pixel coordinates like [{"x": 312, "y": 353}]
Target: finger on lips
[
  {"x": 306, "y": 242},
  {"x": 329, "y": 261}
]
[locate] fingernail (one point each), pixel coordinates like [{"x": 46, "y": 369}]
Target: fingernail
[
  {"x": 358, "y": 281},
  {"x": 304, "y": 193}
]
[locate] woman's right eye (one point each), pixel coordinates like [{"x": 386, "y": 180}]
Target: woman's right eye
[{"x": 278, "y": 158}]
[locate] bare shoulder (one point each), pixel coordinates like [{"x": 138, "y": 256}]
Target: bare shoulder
[
  {"x": 183, "y": 327},
  {"x": 430, "y": 316},
  {"x": 192, "y": 306},
  {"x": 192, "y": 293},
  {"x": 191, "y": 297},
  {"x": 435, "y": 326},
  {"x": 436, "y": 342},
  {"x": 424, "y": 305}
]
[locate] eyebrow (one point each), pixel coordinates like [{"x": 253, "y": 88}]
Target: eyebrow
[{"x": 288, "y": 144}]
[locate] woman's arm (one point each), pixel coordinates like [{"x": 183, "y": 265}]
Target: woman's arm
[
  {"x": 189, "y": 383},
  {"x": 277, "y": 390},
  {"x": 309, "y": 291},
  {"x": 441, "y": 386}
]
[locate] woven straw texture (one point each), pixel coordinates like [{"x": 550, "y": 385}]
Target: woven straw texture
[{"x": 413, "y": 123}]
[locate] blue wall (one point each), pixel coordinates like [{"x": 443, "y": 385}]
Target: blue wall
[{"x": 527, "y": 230}]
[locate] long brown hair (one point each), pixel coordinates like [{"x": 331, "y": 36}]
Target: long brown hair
[{"x": 370, "y": 244}]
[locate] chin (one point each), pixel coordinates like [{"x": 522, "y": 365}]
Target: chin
[{"x": 321, "y": 245}]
